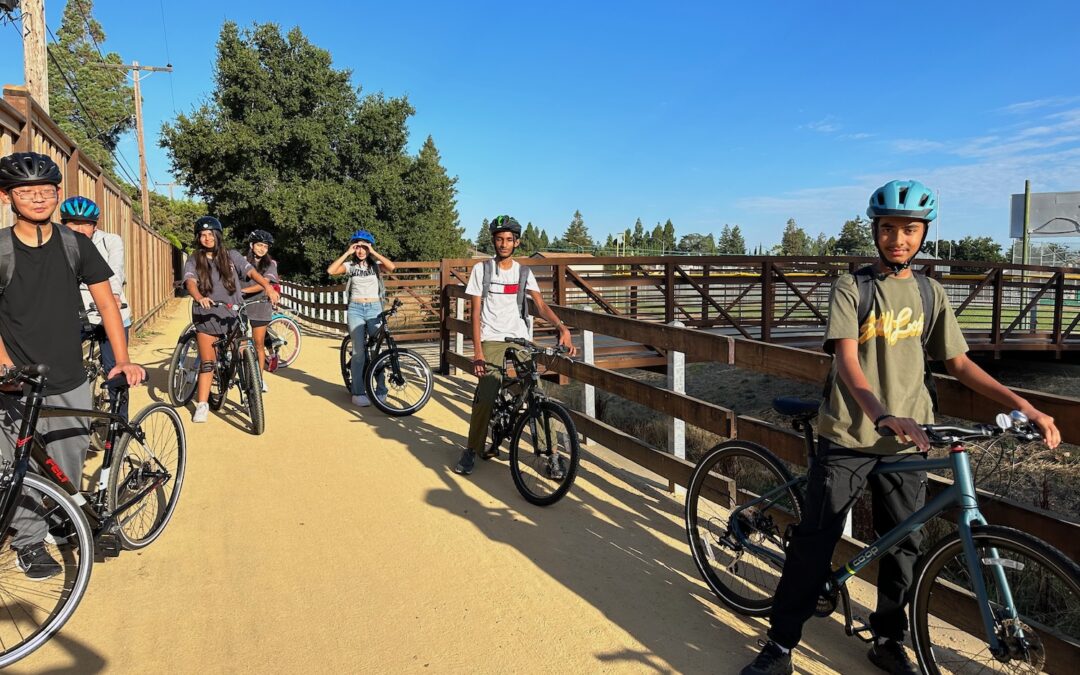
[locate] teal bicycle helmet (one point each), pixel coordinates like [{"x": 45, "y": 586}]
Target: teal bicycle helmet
[
  {"x": 906, "y": 199},
  {"x": 80, "y": 209}
]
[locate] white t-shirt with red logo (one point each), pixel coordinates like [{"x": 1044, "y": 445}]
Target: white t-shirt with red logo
[{"x": 500, "y": 314}]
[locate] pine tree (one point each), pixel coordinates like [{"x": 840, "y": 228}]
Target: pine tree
[
  {"x": 483, "y": 240},
  {"x": 109, "y": 100},
  {"x": 855, "y": 238},
  {"x": 668, "y": 241},
  {"x": 637, "y": 240},
  {"x": 656, "y": 239},
  {"x": 530, "y": 241},
  {"x": 724, "y": 244},
  {"x": 794, "y": 241},
  {"x": 736, "y": 244},
  {"x": 432, "y": 225},
  {"x": 545, "y": 243},
  {"x": 577, "y": 234}
]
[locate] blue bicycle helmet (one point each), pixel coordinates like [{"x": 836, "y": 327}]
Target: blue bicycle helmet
[
  {"x": 79, "y": 208},
  {"x": 362, "y": 235},
  {"x": 908, "y": 198}
]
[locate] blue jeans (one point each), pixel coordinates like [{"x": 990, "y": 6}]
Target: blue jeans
[
  {"x": 363, "y": 321},
  {"x": 108, "y": 361}
]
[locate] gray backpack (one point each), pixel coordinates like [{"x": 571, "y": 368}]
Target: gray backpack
[
  {"x": 7, "y": 254},
  {"x": 523, "y": 278}
]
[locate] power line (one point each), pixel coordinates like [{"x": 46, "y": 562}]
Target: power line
[
  {"x": 125, "y": 168},
  {"x": 168, "y": 59},
  {"x": 89, "y": 29}
]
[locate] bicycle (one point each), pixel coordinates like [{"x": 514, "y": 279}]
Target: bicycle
[
  {"x": 544, "y": 446},
  {"x": 402, "y": 374},
  {"x": 133, "y": 500},
  {"x": 93, "y": 336},
  {"x": 984, "y": 597},
  {"x": 282, "y": 346}
]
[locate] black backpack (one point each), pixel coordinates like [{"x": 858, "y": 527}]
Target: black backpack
[
  {"x": 7, "y": 254},
  {"x": 865, "y": 280}
]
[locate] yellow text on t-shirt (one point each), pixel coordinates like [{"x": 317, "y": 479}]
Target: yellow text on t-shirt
[{"x": 892, "y": 327}]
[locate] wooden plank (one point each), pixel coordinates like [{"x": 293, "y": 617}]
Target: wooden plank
[{"x": 706, "y": 297}]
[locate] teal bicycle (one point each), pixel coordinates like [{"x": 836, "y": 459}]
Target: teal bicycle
[{"x": 985, "y": 598}]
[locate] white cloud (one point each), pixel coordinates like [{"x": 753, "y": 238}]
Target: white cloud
[
  {"x": 860, "y": 136},
  {"x": 916, "y": 146},
  {"x": 826, "y": 125},
  {"x": 1028, "y": 106}
]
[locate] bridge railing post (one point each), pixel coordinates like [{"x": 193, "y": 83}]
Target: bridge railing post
[
  {"x": 589, "y": 357},
  {"x": 459, "y": 338},
  {"x": 676, "y": 428}
]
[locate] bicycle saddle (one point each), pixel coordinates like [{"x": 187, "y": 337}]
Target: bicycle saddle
[{"x": 796, "y": 407}]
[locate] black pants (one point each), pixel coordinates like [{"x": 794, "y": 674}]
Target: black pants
[{"x": 835, "y": 481}]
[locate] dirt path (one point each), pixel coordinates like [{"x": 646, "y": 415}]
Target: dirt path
[{"x": 341, "y": 542}]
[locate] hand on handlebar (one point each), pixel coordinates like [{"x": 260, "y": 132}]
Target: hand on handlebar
[
  {"x": 479, "y": 365},
  {"x": 566, "y": 341},
  {"x": 1050, "y": 433},
  {"x": 134, "y": 373},
  {"x": 907, "y": 430},
  {"x": 205, "y": 302}
]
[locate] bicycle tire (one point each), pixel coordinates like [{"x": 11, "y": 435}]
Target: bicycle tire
[
  {"x": 155, "y": 465},
  {"x": 29, "y": 616},
  {"x": 288, "y": 330},
  {"x": 251, "y": 381},
  {"x": 533, "y": 471},
  {"x": 184, "y": 369},
  {"x": 415, "y": 377},
  {"x": 345, "y": 356},
  {"x": 709, "y": 505},
  {"x": 1044, "y": 584}
]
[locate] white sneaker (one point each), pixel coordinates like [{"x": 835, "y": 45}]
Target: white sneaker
[
  {"x": 265, "y": 388},
  {"x": 361, "y": 401},
  {"x": 202, "y": 411}
]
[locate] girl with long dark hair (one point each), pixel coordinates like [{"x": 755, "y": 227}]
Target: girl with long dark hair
[
  {"x": 364, "y": 266},
  {"x": 260, "y": 314},
  {"x": 212, "y": 275}
]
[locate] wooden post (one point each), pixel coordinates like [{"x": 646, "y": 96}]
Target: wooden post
[
  {"x": 669, "y": 292},
  {"x": 995, "y": 328},
  {"x": 1059, "y": 310},
  {"x": 767, "y": 299},
  {"x": 144, "y": 182},
  {"x": 35, "y": 52},
  {"x": 705, "y": 297},
  {"x": 589, "y": 356},
  {"x": 459, "y": 338},
  {"x": 676, "y": 382},
  {"x": 444, "y": 314},
  {"x": 558, "y": 281}
]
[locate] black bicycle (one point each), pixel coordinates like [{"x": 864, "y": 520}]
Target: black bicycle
[
  {"x": 92, "y": 338},
  {"x": 132, "y": 501},
  {"x": 984, "y": 598},
  {"x": 236, "y": 365},
  {"x": 398, "y": 381},
  {"x": 544, "y": 446}
]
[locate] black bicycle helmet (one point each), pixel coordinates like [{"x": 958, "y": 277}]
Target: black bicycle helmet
[
  {"x": 505, "y": 224},
  {"x": 207, "y": 223},
  {"x": 260, "y": 237},
  {"x": 28, "y": 168}
]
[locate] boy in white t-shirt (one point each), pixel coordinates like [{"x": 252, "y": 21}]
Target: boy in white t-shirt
[{"x": 497, "y": 315}]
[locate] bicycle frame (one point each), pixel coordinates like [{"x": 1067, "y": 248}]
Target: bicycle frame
[{"x": 961, "y": 495}]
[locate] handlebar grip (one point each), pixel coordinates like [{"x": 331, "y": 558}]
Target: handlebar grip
[{"x": 118, "y": 381}]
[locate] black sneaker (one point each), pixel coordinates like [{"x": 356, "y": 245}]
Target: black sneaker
[
  {"x": 466, "y": 463},
  {"x": 890, "y": 656},
  {"x": 772, "y": 660},
  {"x": 36, "y": 563}
]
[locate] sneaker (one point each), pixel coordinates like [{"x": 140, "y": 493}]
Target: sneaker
[
  {"x": 202, "y": 411},
  {"x": 265, "y": 388},
  {"x": 772, "y": 660},
  {"x": 361, "y": 401},
  {"x": 36, "y": 563},
  {"x": 555, "y": 469},
  {"x": 890, "y": 656},
  {"x": 466, "y": 463}
]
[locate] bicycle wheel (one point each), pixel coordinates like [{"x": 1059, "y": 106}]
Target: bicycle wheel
[
  {"x": 544, "y": 453},
  {"x": 285, "y": 334},
  {"x": 184, "y": 369},
  {"x": 345, "y": 356},
  {"x": 219, "y": 386},
  {"x": 407, "y": 378},
  {"x": 947, "y": 630},
  {"x": 31, "y": 612},
  {"x": 740, "y": 553},
  {"x": 146, "y": 476},
  {"x": 251, "y": 381}
]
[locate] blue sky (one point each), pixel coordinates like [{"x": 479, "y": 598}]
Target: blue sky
[{"x": 705, "y": 113}]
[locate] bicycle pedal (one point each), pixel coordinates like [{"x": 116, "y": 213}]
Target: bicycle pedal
[
  {"x": 106, "y": 545},
  {"x": 860, "y": 628}
]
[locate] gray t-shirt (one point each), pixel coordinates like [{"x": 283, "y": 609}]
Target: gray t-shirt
[
  {"x": 240, "y": 268},
  {"x": 890, "y": 355},
  {"x": 363, "y": 282}
]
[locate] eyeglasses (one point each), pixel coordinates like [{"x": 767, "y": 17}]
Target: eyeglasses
[{"x": 44, "y": 194}]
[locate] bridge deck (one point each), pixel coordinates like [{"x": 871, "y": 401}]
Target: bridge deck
[{"x": 340, "y": 541}]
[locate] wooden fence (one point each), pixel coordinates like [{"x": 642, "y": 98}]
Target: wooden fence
[{"x": 25, "y": 127}]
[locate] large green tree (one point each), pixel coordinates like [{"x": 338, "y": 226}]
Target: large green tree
[
  {"x": 731, "y": 241},
  {"x": 668, "y": 241},
  {"x": 109, "y": 109},
  {"x": 855, "y": 238},
  {"x": 483, "y": 239},
  {"x": 577, "y": 234},
  {"x": 286, "y": 143},
  {"x": 795, "y": 240}
]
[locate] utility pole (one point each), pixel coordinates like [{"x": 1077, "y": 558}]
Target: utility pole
[
  {"x": 168, "y": 185},
  {"x": 139, "y": 133},
  {"x": 35, "y": 52}
]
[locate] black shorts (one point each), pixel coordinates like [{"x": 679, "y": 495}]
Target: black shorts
[{"x": 259, "y": 324}]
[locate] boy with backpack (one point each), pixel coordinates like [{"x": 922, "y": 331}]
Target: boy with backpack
[
  {"x": 499, "y": 290},
  {"x": 41, "y": 266},
  {"x": 878, "y": 380}
]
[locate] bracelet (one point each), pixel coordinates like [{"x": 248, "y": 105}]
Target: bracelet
[{"x": 877, "y": 422}]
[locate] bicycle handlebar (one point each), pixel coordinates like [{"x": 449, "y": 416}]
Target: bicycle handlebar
[
  {"x": 1015, "y": 423},
  {"x": 13, "y": 374},
  {"x": 557, "y": 350}
]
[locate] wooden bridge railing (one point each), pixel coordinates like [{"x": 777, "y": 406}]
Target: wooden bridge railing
[{"x": 149, "y": 257}]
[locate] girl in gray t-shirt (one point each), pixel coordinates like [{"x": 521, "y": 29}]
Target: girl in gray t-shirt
[
  {"x": 212, "y": 275},
  {"x": 261, "y": 313},
  {"x": 364, "y": 265}
]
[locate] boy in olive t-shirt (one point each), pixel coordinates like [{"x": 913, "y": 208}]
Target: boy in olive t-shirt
[{"x": 877, "y": 381}]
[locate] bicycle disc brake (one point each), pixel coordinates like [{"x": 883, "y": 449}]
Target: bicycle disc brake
[{"x": 1021, "y": 644}]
